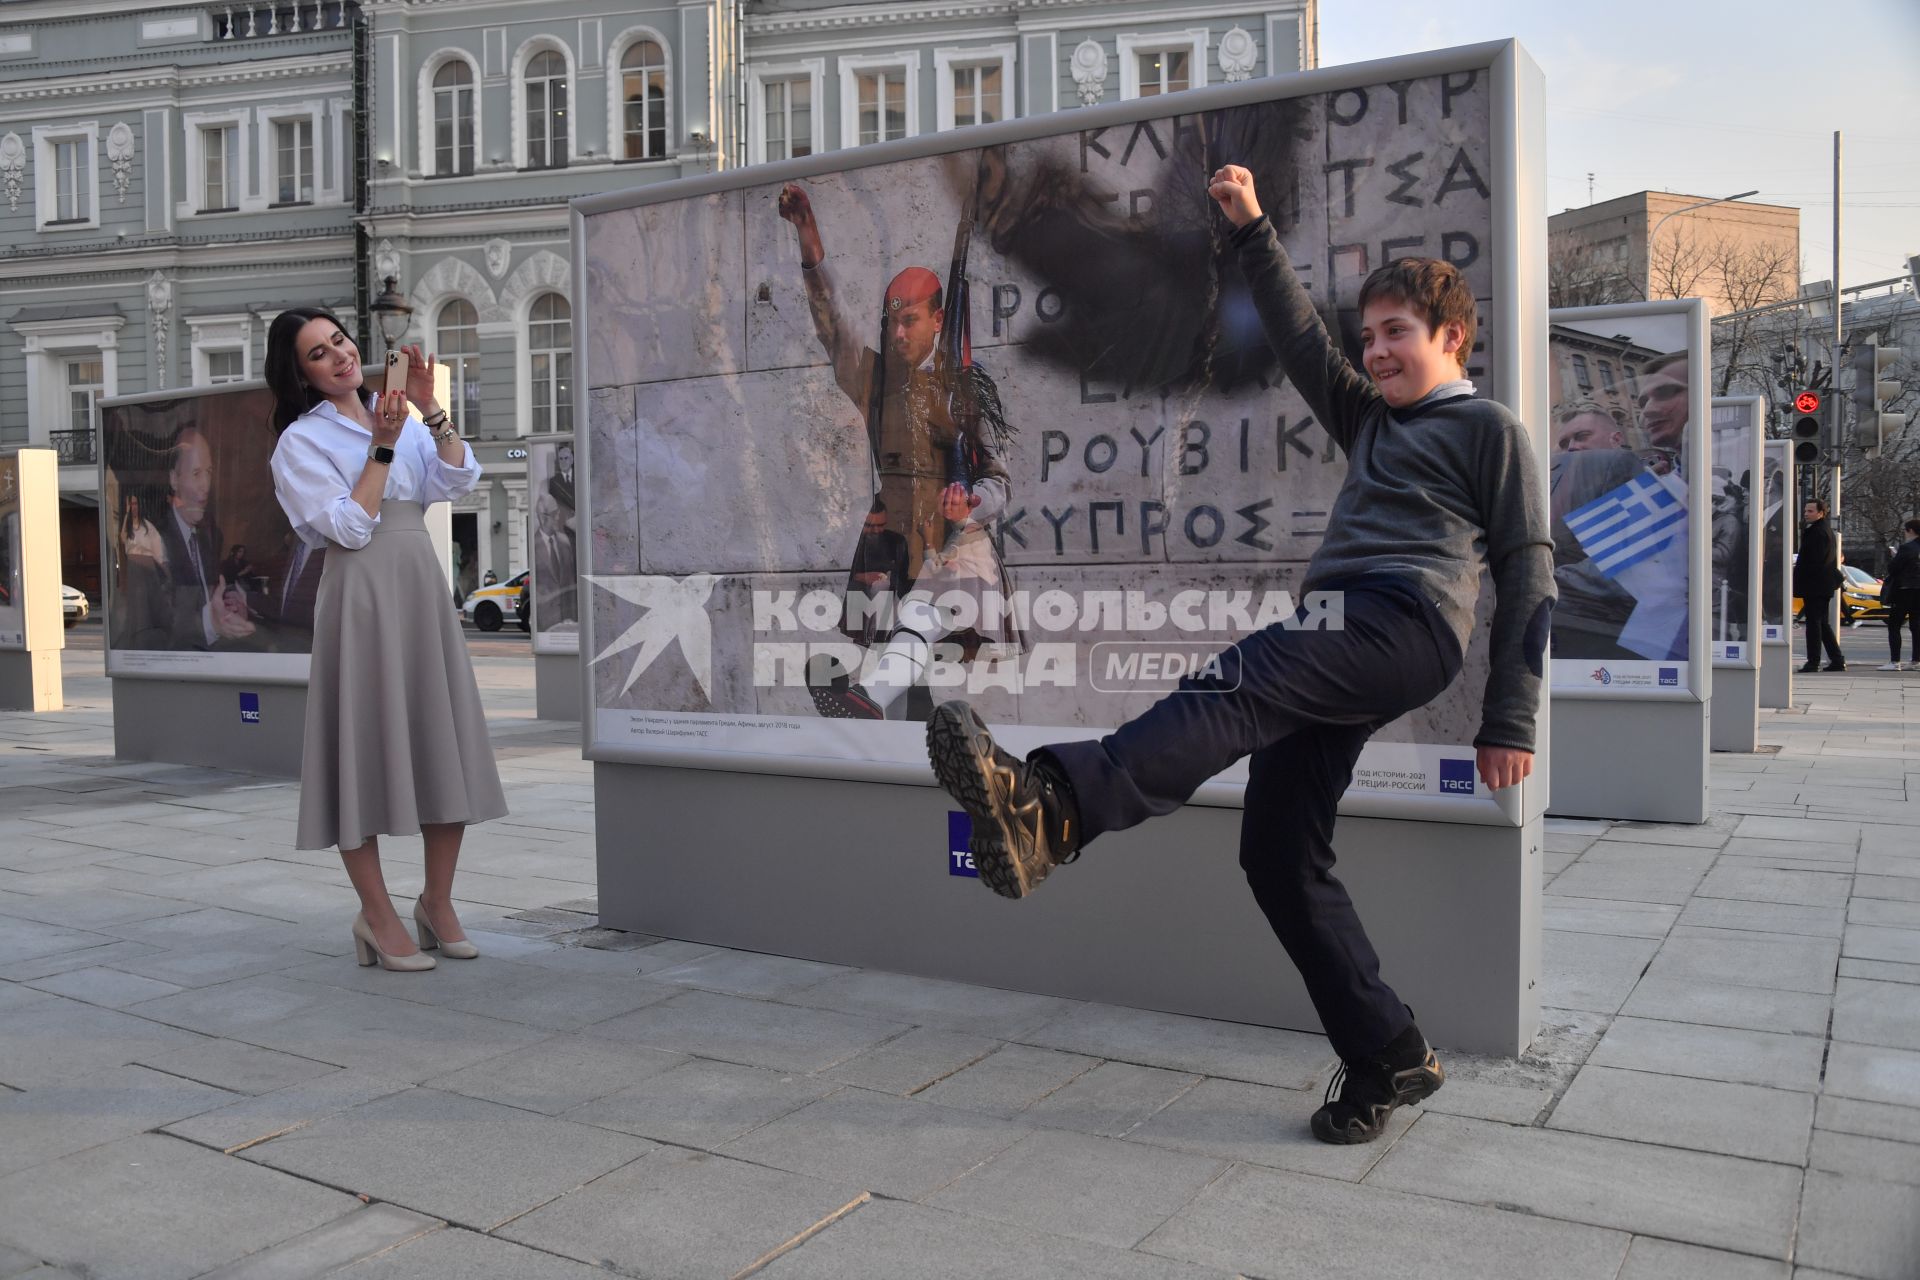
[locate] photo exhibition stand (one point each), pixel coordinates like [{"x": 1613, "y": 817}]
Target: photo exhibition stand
[
  {"x": 1740, "y": 421},
  {"x": 1639, "y": 752},
  {"x": 203, "y": 708},
  {"x": 1776, "y": 631},
  {"x": 558, "y": 682},
  {"x": 776, "y": 855},
  {"x": 33, "y": 632}
]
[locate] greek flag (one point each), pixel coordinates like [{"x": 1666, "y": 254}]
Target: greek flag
[{"x": 1635, "y": 522}]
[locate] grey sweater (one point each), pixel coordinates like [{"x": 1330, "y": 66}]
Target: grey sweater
[{"x": 1433, "y": 492}]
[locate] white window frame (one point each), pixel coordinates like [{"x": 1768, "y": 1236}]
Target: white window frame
[
  {"x": 229, "y": 332},
  {"x": 525, "y": 54},
  {"x": 946, "y": 61},
  {"x": 428, "y": 152},
  {"x": 67, "y": 388},
  {"x": 617, "y": 102},
  {"x": 523, "y": 325},
  {"x": 1196, "y": 41},
  {"x": 48, "y": 345},
  {"x": 851, "y": 65},
  {"x": 250, "y": 200},
  {"x": 46, "y": 182},
  {"x": 456, "y": 409},
  {"x": 327, "y": 188},
  {"x": 813, "y": 69}
]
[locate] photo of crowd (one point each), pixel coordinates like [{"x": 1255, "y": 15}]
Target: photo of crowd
[{"x": 1618, "y": 493}]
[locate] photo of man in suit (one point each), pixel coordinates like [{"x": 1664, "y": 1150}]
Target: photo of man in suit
[{"x": 176, "y": 596}]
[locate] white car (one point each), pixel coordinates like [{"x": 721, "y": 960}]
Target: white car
[
  {"x": 489, "y": 606},
  {"x": 74, "y": 604}
]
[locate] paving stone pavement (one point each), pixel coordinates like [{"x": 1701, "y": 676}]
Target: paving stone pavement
[{"x": 197, "y": 1080}]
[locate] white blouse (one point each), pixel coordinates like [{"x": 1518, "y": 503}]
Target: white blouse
[{"x": 320, "y": 457}]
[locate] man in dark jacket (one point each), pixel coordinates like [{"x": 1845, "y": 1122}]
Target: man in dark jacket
[
  {"x": 1816, "y": 576},
  {"x": 1900, "y": 590}
]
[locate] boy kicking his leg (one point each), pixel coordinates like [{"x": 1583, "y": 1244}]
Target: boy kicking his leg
[{"x": 1438, "y": 484}]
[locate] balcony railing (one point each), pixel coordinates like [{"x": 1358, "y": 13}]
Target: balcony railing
[
  {"x": 252, "y": 21},
  {"x": 74, "y": 447}
]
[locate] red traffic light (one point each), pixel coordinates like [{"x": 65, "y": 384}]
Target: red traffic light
[{"x": 1806, "y": 402}]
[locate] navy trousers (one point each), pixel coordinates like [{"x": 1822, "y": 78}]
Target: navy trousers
[{"x": 1301, "y": 703}]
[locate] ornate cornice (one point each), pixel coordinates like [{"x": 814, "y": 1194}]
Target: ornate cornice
[{"x": 95, "y": 84}]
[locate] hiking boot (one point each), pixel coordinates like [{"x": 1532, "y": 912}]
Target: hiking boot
[
  {"x": 1024, "y": 820},
  {"x": 1405, "y": 1071}
]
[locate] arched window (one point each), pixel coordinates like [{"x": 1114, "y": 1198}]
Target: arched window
[
  {"x": 453, "y": 118},
  {"x": 643, "y": 96},
  {"x": 546, "y": 94},
  {"x": 550, "y": 344},
  {"x": 458, "y": 338}
]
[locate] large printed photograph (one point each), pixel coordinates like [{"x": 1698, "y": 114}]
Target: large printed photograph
[
  {"x": 999, "y": 424},
  {"x": 1776, "y": 554},
  {"x": 1617, "y": 484},
  {"x": 13, "y": 612},
  {"x": 1730, "y": 488},
  {"x": 206, "y": 577},
  {"x": 554, "y": 539}
]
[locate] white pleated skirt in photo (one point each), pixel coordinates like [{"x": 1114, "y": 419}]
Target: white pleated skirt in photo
[{"x": 395, "y": 735}]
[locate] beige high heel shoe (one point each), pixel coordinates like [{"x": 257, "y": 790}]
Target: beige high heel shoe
[
  {"x": 368, "y": 951},
  {"x": 461, "y": 950}
]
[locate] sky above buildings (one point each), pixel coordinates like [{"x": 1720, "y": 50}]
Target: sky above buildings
[{"x": 1707, "y": 98}]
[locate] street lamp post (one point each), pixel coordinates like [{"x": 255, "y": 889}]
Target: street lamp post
[
  {"x": 392, "y": 311},
  {"x": 1647, "y": 287}
]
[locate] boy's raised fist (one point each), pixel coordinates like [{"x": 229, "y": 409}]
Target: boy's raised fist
[{"x": 1232, "y": 188}]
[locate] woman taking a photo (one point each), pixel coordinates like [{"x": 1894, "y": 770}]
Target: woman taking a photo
[{"x": 396, "y": 741}]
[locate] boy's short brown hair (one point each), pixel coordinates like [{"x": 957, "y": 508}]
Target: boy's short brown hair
[{"x": 1435, "y": 290}]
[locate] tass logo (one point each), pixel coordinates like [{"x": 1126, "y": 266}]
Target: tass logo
[
  {"x": 249, "y": 708},
  {"x": 1669, "y": 677},
  {"x": 1602, "y": 676},
  {"x": 959, "y": 836},
  {"x": 1456, "y": 776}
]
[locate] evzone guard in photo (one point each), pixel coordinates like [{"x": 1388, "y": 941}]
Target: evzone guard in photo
[
  {"x": 1440, "y": 485},
  {"x": 937, "y": 434}
]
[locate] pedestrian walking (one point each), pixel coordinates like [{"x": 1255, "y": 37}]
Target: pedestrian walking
[
  {"x": 1816, "y": 576},
  {"x": 1900, "y": 592}
]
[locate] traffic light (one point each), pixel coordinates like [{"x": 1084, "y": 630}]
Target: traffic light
[
  {"x": 1806, "y": 428},
  {"x": 1871, "y": 424}
]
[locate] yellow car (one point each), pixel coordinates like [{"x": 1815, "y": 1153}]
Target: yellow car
[
  {"x": 489, "y": 606},
  {"x": 1859, "y": 597}
]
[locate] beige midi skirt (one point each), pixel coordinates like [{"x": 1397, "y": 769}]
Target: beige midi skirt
[{"x": 395, "y": 733}]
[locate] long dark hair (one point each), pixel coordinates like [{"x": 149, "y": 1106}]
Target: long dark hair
[{"x": 291, "y": 394}]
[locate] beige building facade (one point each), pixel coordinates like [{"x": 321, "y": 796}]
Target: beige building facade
[{"x": 1661, "y": 244}]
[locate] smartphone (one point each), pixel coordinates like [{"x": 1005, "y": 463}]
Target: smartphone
[{"x": 397, "y": 370}]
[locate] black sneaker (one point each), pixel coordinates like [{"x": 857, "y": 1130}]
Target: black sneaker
[
  {"x": 1405, "y": 1071},
  {"x": 1024, "y": 820},
  {"x": 1809, "y": 667}
]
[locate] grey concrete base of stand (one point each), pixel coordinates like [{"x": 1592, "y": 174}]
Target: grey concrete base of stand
[
  {"x": 1630, "y": 760},
  {"x": 1736, "y": 709},
  {"x": 1776, "y": 675},
  {"x": 198, "y": 722},
  {"x": 30, "y": 680},
  {"x": 1159, "y": 917},
  {"x": 556, "y": 686}
]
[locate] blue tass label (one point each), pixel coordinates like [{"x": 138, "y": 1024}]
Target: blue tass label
[
  {"x": 959, "y": 835},
  {"x": 249, "y": 708}
]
